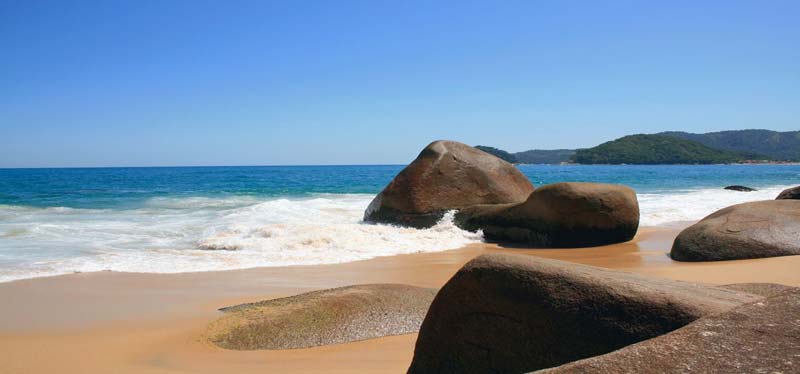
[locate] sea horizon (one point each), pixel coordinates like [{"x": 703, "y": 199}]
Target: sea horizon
[{"x": 775, "y": 163}]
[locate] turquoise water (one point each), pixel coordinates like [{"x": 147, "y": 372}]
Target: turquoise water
[
  {"x": 165, "y": 220},
  {"x": 130, "y": 187}
]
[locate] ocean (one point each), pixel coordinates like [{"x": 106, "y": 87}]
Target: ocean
[{"x": 183, "y": 219}]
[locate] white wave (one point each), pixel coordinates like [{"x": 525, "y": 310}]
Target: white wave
[
  {"x": 666, "y": 208},
  {"x": 171, "y": 235},
  {"x": 199, "y": 202},
  {"x": 199, "y": 234}
]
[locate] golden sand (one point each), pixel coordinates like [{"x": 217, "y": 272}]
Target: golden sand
[{"x": 153, "y": 323}]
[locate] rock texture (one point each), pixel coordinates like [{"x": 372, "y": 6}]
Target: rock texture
[
  {"x": 560, "y": 215},
  {"x": 447, "y": 175},
  {"x": 740, "y": 188},
  {"x": 789, "y": 194},
  {"x": 760, "y": 337},
  {"x": 517, "y": 313},
  {"x": 760, "y": 289},
  {"x": 750, "y": 230},
  {"x": 317, "y": 318}
]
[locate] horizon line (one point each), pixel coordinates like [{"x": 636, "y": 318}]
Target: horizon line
[{"x": 188, "y": 166}]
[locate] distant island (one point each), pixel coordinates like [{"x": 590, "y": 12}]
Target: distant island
[
  {"x": 545, "y": 156},
  {"x": 779, "y": 146},
  {"x": 656, "y": 149},
  {"x": 503, "y": 155},
  {"x": 672, "y": 147}
]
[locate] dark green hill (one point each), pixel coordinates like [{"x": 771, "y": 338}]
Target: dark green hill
[
  {"x": 498, "y": 152},
  {"x": 534, "y": 156},
  {"x": 777, "y": 145},
  {"x": 654, "y": 149},
  {"x": 544, "y": 156}
]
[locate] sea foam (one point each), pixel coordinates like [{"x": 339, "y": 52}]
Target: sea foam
[
  {"x": 184, "y": 234},
  {"x": 678, "y": 207},
  {"x": 170, "y": 235}
]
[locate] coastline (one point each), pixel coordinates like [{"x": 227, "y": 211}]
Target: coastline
[
  {"x": 83, "y": 225},
  {"x": 154, "y": 323}
]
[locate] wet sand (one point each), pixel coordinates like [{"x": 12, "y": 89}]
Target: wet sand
[{"x": 153, "y": 323}]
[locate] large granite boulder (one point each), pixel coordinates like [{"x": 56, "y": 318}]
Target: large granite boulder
[
  {"x": 789, "y": 194},
  {"x": 750, "y": 230},
  {"x": 560, "y": 215},
  {"x": 759, "y": 337},
  {"x": 447, "y": 175},
  {"x": 334, "y": 316},
  {"x": 517, "y": 313}
]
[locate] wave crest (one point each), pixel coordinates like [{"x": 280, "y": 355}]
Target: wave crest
[
  {"x": 183, "y": 234},
  {"x": 192, "y": 234}
]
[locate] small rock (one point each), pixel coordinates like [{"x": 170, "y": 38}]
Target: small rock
[{"x": 740, "y": 188}]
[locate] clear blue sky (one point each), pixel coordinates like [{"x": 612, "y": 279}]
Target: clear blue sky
[{"x": 113, "y": 83}]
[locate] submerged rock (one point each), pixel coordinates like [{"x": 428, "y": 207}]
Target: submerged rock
[
  {"x": 789, "y": 194},
  {"x": 560, "y": 215},
  {"x": 447, "y": 175},
  {"x": 759, "y": 337},
  {"x": 517, "y": 313},
  {"x": 750, "y": 230},
  {"x": 338, "y": 315},
  {"x": 740, "y": 188}
]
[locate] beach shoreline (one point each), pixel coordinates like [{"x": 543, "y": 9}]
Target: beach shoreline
[{"x": 154, "y": 323}]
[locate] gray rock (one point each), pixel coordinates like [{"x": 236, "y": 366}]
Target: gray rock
[
  {"x": 740, "y": 188},
  {"x": 750, "y": 230},
  {"x": 338, "y": 315},
  {"x": 447, "y": 175},
  {"x": 517, "y": 313}
]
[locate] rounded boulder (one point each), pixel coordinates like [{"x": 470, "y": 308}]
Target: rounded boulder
[
  {"x": 447, "y": 175},
  {"x": 568, "y": 214},
  {"x": 789, "y": 194},
  {"x": 751, "y": 230}
]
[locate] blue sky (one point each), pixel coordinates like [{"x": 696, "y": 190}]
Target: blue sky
[{"x": 140, "y": 83}]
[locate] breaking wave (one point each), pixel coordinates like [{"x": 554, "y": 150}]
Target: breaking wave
[{"x": 185, "y": 234}]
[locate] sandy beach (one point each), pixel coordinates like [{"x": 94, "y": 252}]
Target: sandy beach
[
  {"x": 154, "y": 323},
  {"x": 326, "y": 187}
]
